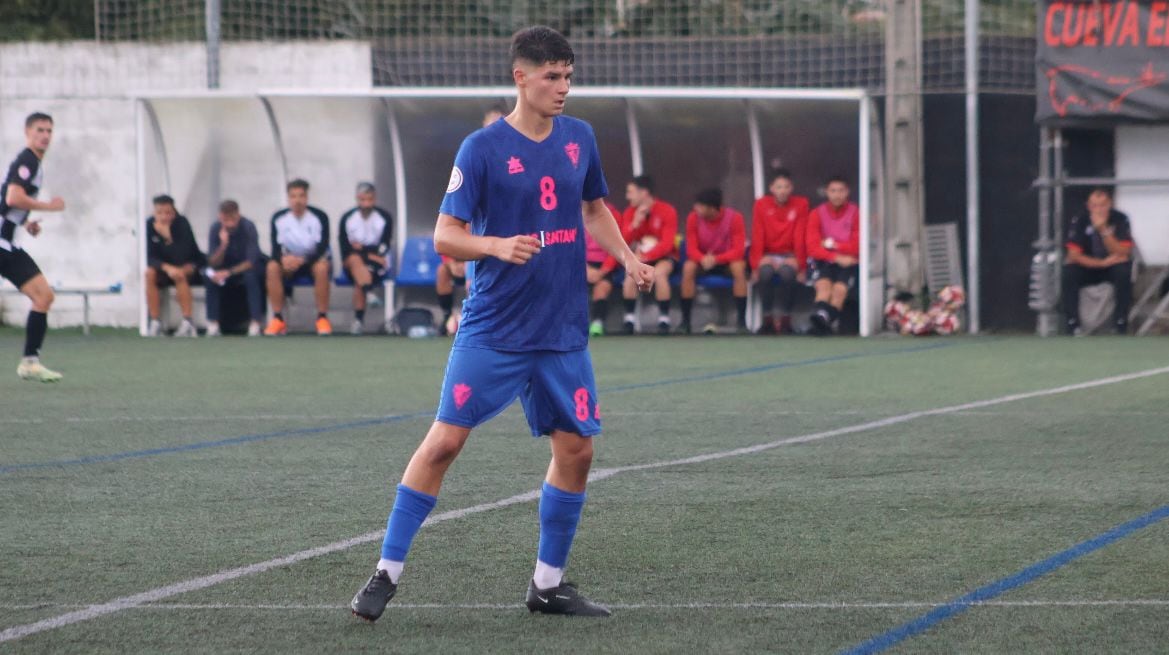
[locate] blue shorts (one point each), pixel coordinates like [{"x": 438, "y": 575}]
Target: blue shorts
[{"x": 556, "y": 388}]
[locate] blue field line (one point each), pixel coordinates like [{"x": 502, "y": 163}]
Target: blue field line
[
  {"x": 303, "y": 432},
  {"x": 997, "y": 588}
]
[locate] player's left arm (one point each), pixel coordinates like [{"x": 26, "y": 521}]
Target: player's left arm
[{"x": 598, "y": 220}]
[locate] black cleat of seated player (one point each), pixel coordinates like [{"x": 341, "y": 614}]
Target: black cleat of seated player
[
  {"x": 370, "y": 602},
  {"x": 564, "y": 599}
]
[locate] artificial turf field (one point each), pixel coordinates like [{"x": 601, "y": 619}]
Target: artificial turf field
[{"x": 165, "y": 466}]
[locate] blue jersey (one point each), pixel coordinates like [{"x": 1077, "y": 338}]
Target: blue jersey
[{"x": 505, "y": 184}]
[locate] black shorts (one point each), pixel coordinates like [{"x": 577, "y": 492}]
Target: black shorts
[
  {"x": 17, "y": 266},
  {"x": 305, "y": 272},
  {"x": 162, "y": 280},
  {"x": 818, "y": 269},
  {"x": 375, "y": 269}
]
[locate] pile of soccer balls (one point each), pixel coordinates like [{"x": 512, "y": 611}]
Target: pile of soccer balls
[{"x": 940, "y": 318}]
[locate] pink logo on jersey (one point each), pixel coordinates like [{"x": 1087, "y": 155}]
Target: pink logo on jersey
[
  {"x": 462, "y": 394},
  {"x": 514, "y": 165},
  {"x": 573, "y": 152}
]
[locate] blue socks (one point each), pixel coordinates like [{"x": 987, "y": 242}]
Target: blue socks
[
  {"x": 559, "y": 516},
  {"x": 410, "y": 510}
]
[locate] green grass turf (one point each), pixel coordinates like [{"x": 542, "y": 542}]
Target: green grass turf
[{"x": 918, "y": 512}]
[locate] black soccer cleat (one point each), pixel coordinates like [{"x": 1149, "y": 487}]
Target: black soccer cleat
[
  {"x": 370, "y": 601},
  {"x": 564, "y": 599},
  {"x": 821, "y": 324},
  {"x": 627, "y": 328}
]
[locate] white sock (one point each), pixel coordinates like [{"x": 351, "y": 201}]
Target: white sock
[
  {"x": 547, "y": 577},
  {"x": 394, "y": 569},
  {"x": 31, "y": 360},
  {"x": 630, "y": 318}
]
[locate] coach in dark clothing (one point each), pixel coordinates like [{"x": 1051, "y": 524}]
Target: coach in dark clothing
[
  {"x": 172, "y": 259},
  {"x": 234, "y": 259},
  {"x": 1099, "y": 249}
]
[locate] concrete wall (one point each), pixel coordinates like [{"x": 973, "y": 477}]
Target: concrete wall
[{"x": 87, "y": 87}]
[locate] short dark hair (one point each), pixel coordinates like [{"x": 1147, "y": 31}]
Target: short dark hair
[
  {"x": 712, "y": 197},
  {"x": 643, "y": 182},
  {"x": 297, "y": 184},
  {"x": 1101, "y": 189},
  {"x": 229, "y": 207},
  {"x": 777, "y": 173},
  {"x": 366, "y": 187},
  {"x": 163, "y": 199},
  {"x": 541, "y": 45},
  {"x": 837, "y": 178},
  {"x": 36, "y": 117}
]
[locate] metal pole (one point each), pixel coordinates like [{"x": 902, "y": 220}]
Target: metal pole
[
  {"x": 973, "y": 220},
  {"x": 213, "y": 40}
]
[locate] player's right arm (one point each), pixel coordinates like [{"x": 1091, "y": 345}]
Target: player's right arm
[
  {"x": 18, "y": 198},
  {"x": 452, "y": 239}
]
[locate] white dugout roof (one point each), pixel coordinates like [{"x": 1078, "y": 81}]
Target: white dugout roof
[{"x": 205, "y": 146}]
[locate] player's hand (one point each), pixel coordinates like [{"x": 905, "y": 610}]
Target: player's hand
[
  {"x": 1113, "y": 260},
  {"x": 224, "y": 236},
  {"x": 801, "y": 277},
  {"x": 708, "y": 262},
  {"x": 33, "y": 228},
  {"x": 57, "y": 204},
  {"x": 357, "y": 246},
  {"x": 219, "y": 277},
  {"x": 290, "y": 263},
  {"x": 174, "y": 272},
  {"x": 516, "y": 250},
  {"x": 639, "y": 216},
  {"x": 845, "y": 260},
  {"x": 642, "y": 274}
]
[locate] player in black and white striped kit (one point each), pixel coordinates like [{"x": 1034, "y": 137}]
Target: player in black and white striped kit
[{"x": 18, "y": 194}]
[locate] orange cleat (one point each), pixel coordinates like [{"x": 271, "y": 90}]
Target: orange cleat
[
  {"x": 276, "y": 327},
  {"x": 324, "y": 327}
]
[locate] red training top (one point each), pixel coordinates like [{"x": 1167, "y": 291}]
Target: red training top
[
  {"x": 779, "y": 229},
  {"x": 661, "y": 223},
  {"x": 594, "y": 253},
  {"x": 842, "y": 224},
  {"x": 725, "y": 242}
]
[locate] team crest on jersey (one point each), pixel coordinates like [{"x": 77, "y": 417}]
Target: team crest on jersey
[
  {"x": 23, "y": 172},
  {"x": 514, "y": 166},
  {"x": 456, "y": 180},
  {"x": 573, "y": 152}
]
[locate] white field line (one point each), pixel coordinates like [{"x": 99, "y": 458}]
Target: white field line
[
  {"x": 783, "y": 605},
  {"x": 159, "y": 593}
]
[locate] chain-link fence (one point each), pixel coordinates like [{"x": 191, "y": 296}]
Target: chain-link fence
[{"x": 754, "y": 43}]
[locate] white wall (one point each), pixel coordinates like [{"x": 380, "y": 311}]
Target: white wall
[
  {"x": 87, "y": 87},
  {"x": 1143, "y": 152}
]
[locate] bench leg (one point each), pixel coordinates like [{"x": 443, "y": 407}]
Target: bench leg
[
  {"x": 389, "y": 304},
  {"x": 85, "y": 314}
]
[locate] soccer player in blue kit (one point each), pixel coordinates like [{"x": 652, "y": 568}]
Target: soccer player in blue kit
[{"x": 528, "y": 184}]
